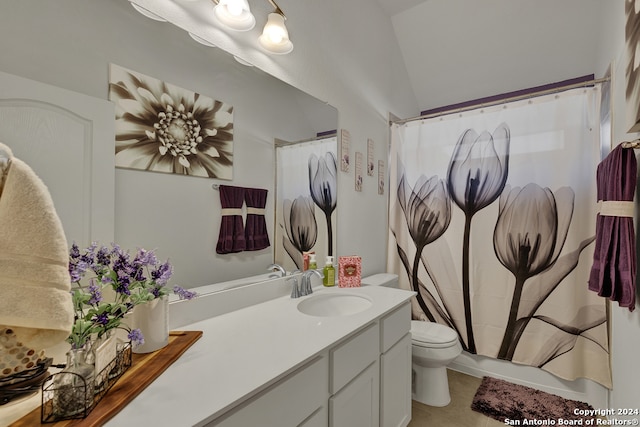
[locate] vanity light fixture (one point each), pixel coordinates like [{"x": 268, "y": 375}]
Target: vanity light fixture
[{"x": 236, "y": 15}]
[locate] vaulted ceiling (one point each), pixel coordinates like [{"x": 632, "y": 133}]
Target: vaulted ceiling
[{"x": 459, "y": 50}]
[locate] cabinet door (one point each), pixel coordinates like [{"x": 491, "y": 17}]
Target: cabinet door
[
  {"x": 395, "y": 384},
  {"x": 320, "y": 418},
  {"x": 67, "y": 138},
  {"x": 357, "y": 404}
]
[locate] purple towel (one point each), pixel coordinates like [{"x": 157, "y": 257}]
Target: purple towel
[
  {"x": 231, "y": 237},
  {"x": 613, "y": 273},
  {"x": 255, "y": 230}
]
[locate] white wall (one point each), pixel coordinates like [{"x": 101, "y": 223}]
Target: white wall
[
  {"x": 69, "y": 43},
  {"x": 625, "y": 325}
]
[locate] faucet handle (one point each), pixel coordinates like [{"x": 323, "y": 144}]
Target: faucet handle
[
  {"x": 279, "y": 268},
  {"x": 295, "y": 290}
]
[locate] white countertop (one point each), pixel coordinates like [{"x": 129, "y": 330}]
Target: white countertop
[{"x": 243, "y": 352}]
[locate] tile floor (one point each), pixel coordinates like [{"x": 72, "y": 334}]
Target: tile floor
[{"x": 458, "y": 413}]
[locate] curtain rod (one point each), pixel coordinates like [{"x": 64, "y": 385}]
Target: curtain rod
[
  {"x": 532, "y": 94},
  {"x": 282, "y": 143}
]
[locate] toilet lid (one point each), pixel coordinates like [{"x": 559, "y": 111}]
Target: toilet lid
[{"x": 432, "y": 333}]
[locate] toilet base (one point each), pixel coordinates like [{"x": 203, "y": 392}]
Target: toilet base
[{"x": 430, "y": 386}]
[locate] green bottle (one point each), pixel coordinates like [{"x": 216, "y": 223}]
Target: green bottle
[
  {"x": 329, "y": 273},
  {"x": 312, "y": 262}
]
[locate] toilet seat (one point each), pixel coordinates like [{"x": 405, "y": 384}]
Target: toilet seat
[{"x": 432, "y": 335}]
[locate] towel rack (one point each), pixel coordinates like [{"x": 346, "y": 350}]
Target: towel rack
[{"x": 631, "y": 144}]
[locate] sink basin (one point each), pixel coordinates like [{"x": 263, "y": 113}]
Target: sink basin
[{"x": 333, "y": 304}]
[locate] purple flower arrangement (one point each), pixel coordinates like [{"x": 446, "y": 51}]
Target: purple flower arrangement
[{"x": 127, "y": 280}]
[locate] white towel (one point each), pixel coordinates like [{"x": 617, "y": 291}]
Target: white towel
[{"x": 34, "y": 275}]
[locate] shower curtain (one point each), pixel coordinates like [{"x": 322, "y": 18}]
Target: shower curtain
[
  {"x": 306, "y": 183},
  {"x": 492, "y": 222}
]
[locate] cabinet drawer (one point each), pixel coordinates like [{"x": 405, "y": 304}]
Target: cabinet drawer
[
  {"x": 353, "y": 356},
  {"x": 297, "y": 397},
  {"x": 394, "y": 326}
]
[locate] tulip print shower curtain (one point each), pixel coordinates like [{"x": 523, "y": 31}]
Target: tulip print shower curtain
[
  {"x": 306, "y": 176},
  {"x": 492, "y": 222}
]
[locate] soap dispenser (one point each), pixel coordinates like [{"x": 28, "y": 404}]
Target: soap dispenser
[
  {"x": 313, "y": 265},
  {"x": 329, "y": 273}
]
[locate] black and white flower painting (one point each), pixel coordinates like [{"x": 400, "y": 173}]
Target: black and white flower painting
[{"x": 164, "y": 128}]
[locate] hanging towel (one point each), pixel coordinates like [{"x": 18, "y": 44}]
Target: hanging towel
[
  {"x": 613, "y": 273},
  {"x": 256, "y": 234},
  {"x": 35, "y": 299},
  {"x": 231, "y": 238}
]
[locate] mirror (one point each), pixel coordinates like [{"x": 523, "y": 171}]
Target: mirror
[
  {"x": 179, "y": 216},
  {"x": 265, "y": 110},
  {"x": 306, "y": 200}
]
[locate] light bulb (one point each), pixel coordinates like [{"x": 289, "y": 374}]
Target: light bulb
[
  {"x": 234, "y": 8},
  {"x": 275, "y": 37},
  {"x": 235, "y": 14}
]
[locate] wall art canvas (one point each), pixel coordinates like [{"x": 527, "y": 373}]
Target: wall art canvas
[
  {"x": 492, "y": 223},
  {"x": 161, "y": 127},
  {"x": 632, "y": 37}
]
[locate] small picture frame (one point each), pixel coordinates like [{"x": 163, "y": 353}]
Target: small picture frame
[
  {"x": 381, "y": 176},
  {"x": 359, "y": 177},
  {"x": 345, "y": 143},
  {"x": 370, "y": 156}
]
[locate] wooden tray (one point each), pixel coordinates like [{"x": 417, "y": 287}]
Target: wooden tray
[{"x": 132, "y": 382}]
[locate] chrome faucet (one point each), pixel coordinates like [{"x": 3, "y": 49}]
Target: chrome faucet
[
  {"x": 305, "y": 285},
  {"x": 279, "y": 268}
]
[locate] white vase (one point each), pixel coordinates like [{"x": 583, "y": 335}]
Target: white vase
[{"x": 152, "y": 318}]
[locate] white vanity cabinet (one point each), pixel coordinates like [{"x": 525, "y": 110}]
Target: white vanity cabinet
[
  {"x": 395, "y": 368},
  {"x": 364, "y": 380},
  {"x": 271, "y": 365}
]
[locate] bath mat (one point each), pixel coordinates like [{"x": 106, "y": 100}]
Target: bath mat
[{"x": 502, "y": 401}]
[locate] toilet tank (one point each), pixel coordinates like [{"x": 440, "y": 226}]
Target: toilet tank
[{"x": 388, "y": 280}]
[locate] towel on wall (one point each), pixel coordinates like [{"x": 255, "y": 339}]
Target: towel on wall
[
  {"x": 255, "y": 228},
  {"x": 35, "y": 299},
  {"x": 613, "y": 273},
  {"x": 231, "y": 238}
]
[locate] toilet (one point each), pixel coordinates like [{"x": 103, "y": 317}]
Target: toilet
[{"x": 433, "y": 348}]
